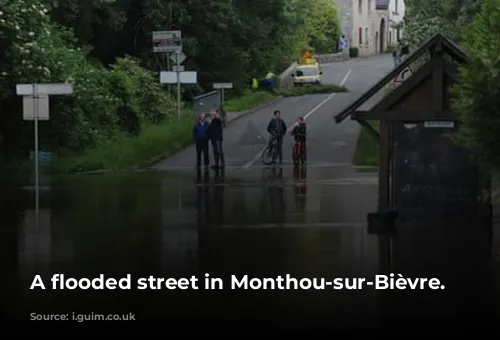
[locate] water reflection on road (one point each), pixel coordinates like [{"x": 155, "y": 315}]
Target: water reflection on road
[{"x": 260, "y": 222}]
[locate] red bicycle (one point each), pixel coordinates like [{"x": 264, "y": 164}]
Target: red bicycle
[{"x": 299, "y": 152}]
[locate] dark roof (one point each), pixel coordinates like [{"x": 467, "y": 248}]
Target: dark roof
[
  {"x": 382, "y": 4},
  {"x": 437, "y": 40}
]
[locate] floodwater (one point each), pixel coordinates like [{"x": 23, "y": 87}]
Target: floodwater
[{"x": 308, "y": 223}]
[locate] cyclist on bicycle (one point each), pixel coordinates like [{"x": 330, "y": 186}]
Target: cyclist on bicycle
[
  {"x": 299, "y": 131},
  {"x": 277, "y": 129}
]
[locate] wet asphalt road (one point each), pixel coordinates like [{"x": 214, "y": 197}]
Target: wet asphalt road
[{"x": 263, "y": 222}]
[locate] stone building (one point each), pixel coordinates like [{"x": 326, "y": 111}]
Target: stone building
[
  {"x": 396, "y": 15},
  {"x": 366, "y": 24}
]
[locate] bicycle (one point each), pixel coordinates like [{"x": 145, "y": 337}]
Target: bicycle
[
  {"x": 270, "y": 152},
  {"x": 299, "y": 152}
]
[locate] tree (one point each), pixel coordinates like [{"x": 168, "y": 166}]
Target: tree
[
  {"x": 477, "y": 93},
  {"x": 424, "y": 18}
]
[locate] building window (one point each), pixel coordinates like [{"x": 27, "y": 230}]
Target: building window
[
  {"x": 366, "y": 36},
  {"x": 360, "y": 32},
  {"x": 396, "y": 6},
  {"x": 369, "y": 6},
  {"x": 360, "y": 6}
]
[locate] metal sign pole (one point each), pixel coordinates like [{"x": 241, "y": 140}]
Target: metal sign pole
[
  {"x": 222, "y": 100},
  {"x": 178, "y": 85},
  {"x": 37, "y": 174},
  {"x": 168, "y": 69}
]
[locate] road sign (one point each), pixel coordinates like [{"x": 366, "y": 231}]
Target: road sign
[
  {"x": 36, "y": 108},
  {"x": 440, "y": 124},
  {"x": 223, "y": 85},
  {"x": 167, "y": 41},
  {"x": 344, "y": 43},
  {"x": 44, "y": 89},
  {"x": 187, "y": 77},
  {"x": 182, "y": 57},
  {"x": 403, "y": 75},
  {"x": 180, "y": 68}
]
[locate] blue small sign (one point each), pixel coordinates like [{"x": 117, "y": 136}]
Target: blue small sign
[
  {"x": 344, "y": 43},
  {"x": 44, "y": 158}
]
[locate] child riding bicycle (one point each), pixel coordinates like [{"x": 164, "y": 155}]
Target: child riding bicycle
[{"x": 299, "y": 132}]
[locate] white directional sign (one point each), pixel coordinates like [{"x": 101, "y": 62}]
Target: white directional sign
[
  {"x": 167, "y": 41},
  {"x": 187, "y": 77},
  {"x": 180, "y": 68},
  {"x": 44, "y": 89},
  {"x": 36, "y": 108},
  {"x": 182, "y": 57},
  {"x": 223, "y": 85}
]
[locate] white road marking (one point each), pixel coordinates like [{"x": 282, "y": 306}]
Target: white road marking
[
  {"x": 345, "y": 78},
  {"x": 314, "y": 109}
]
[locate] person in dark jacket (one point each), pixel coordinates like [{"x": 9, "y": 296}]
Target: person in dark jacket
[
  {"x": 299, "y": 132},
  {"x": 215, "y": 135},
  {"x": 277, "y": 129},
  {"x": 200, "y": 136}
]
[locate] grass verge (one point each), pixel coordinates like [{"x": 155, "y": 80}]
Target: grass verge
[
  {"x": 312, "y": 89},
  {"x": 156, "y": 141},
  {"x": 367, "y": 148},
  {"x": 249, "y": 100}
]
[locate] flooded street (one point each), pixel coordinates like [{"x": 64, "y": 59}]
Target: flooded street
[{"x": 309, "y": 223}]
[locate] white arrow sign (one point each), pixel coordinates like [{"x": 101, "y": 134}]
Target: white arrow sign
[{"x": 182, "y": 57}]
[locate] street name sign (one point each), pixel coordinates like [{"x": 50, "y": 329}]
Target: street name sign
[
  {"x": 223, "y": 85},
  {"x": 44, "y": 89},
  {"x": 186, "y": 77}
]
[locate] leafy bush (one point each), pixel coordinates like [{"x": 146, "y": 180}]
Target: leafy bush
[
  {"x": 353, "y": 52},
  {"x": 105, "y": 102}
]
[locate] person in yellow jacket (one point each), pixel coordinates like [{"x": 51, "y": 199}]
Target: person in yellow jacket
[
  {"x": 270, "y": 77},
  {"x": 255, "y": 84}
]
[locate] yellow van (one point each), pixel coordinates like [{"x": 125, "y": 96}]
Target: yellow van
[{"x": 307, "y": 74}]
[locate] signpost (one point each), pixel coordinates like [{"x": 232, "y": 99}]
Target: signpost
[
  {"x": 171, "y": 42},
  {"x": 221, "y": 87},
  {"x": 35, "y": 108},
  {"x": 179, "y": 77}
]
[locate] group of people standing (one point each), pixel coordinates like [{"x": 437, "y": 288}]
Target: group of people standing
[{"x": 205, "y": 133}]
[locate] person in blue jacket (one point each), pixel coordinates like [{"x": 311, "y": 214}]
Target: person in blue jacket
[{"x": 201, "y": 136}]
